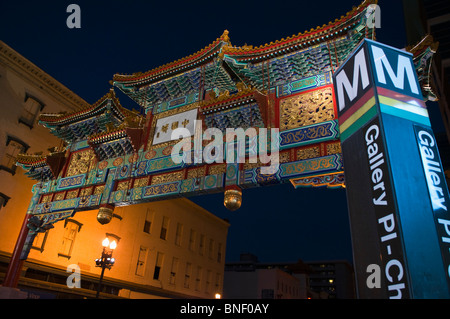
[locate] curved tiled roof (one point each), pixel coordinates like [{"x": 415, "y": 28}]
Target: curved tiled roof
[
  {"x": 182, "y": 64},
  {"x": 313, "y": 36},
  {"x": 55, "y": 119},
  {"x": 222, "y": 46},
  {"x": 31, "y": 160}
]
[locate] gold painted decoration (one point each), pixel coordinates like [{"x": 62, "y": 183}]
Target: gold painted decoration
[
  {"x": 196, "y": 172},
  {"x": 334, "y": 148},
  {"x": 72, "y": 194},
  {"x": 306, "y": 153},
  {"x": 59, "y": 196},
  {"x": 99, "y": 190},
  {"x": 166, "y": 178},
  {"x": 284, "y": 157},
  {"x": 217, "y": 169},
  {"x": 141, "y": 182},
  {"x": 46, "y": 198},
  {"x": 123, "y": 185},
  {"x": 81, "y": 162},
  {"x": 306, "y": 109}
]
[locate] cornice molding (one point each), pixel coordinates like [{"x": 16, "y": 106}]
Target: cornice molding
[{"x": 43, "y": 81}]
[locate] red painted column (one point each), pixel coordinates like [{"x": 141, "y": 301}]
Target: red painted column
[{"x": 15, "y": 264}]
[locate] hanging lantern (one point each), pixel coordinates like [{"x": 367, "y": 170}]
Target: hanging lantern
[
  {"x": 232, "y": 197},
  {"x": 105, "y": 214}
]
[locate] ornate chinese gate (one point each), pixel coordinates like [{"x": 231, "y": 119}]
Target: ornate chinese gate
[{"x": 115, "y": 157}]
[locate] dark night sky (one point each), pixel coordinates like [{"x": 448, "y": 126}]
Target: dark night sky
[{"x": 277, "y": 223}]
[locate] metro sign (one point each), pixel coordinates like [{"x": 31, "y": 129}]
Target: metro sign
[
  {"x": 397, "y": 196},
  {"x": 393, "y": 70}
]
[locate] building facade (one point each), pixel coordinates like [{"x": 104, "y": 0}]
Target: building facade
[
  {"x": 165, "y": 249},
  {"x": 25, "y": 92},
  {"x": 333, "y": 278},
  {"x": 251, "y": 279}
]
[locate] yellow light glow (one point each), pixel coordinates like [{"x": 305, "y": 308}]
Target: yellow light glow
[
  {"x": 105, "y": 242},
  {"x": 113, "y": 245},
  {"x": 218, "y": 296}
]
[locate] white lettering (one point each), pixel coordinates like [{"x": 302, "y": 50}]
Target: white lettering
[
  {"x": 432, "y": 167},
  {"x": 398, "y": 288},
  {"x": 446, "y": 224},
  {"x": 388, "y": 219},
  {"x": 404, "y": 64},
  {"x": 375, "y": 160},
  {"x": 379, "y": 201},
  {"x": 342, "y": 81},
  {"x": 197, "y": 309},
  {"x": 426, "y": 142},
  {"x": 372, "y": 134},
  {"x": 391, "y": 263},
  {"x": 246, "y": 308}
]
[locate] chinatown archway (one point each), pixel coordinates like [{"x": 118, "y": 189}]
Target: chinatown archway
[{"x": 333, "y": 97}]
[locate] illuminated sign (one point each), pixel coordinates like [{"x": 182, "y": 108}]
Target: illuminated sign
[
  {"x": 385, "y": 213},
  {"x": 437, "y": 188},
  {"x": 397, "y": 195},
  {"x": 393, "y": 69},
  {"x": 357, "y": 67}
]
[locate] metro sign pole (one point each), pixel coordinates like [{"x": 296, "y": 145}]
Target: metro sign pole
[{"x": 397, "y": 195}]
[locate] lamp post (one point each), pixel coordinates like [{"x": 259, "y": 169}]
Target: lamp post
[{"x": 106, "y": 261}]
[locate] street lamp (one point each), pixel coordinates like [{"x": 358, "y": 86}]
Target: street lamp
[{"x": 106, "y": 261}]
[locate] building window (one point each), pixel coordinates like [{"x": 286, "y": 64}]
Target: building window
[
  {"x": 158, "y": 265},
  {"x": 14, "y": 147},
  {"x": 187, "y": 275},
  {"x": 192, "y": 236},
  {"x": 201, "y": 247},
  {"x": 3, "y": 200},
  {"x": 219, "y": 252},
  {"x": 198, "y": 279},
  {"x": 211, "y": 248},
  {"x": 30, "y": 111},
  {"x": 267, "y": 294},
  {"x": 178, "y": 235},
  {"x": 142, "y": 258},
  {"x": 39, "y": 241},
  {"x": 164, "y": 228},
  {"x": 208, "y": 281},
  {"x": 71, "y": 228},
  {"x": 148, "y": 221},
  {"x": 173, "y": 271},
  {"x": 218, "y": 279}
]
